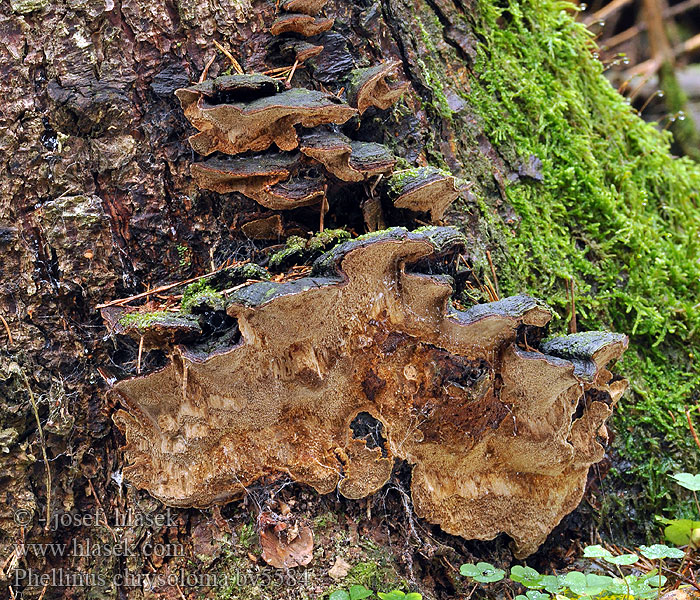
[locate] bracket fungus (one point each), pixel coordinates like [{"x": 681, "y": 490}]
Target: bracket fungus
[
  {"x": 500, "y": 436},
  {"x": 154, "y": 329},
  {"x": 239, "y": 126},
  {"x": 425, "y": 189},
  {"x": 274, "y": 180},
  {"x": 307, "y": 7},
  {"x": 302, "y": 24},
  {"x": 348, "y": 160},
  {"x": 368, "y": 87},
  {"x": 301, "y": 50}
]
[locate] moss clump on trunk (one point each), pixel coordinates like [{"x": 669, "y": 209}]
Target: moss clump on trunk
[{"x": 614, "y": 212}]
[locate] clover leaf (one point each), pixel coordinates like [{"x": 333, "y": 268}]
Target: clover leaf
[
  {"x": 482, "y": 572},
  {"x": 339, "y": 595},
  {"x": 596, "y": 551},
  {"x": 359, "y": 592},
  {"x": 586, "y": 585},
  {"x": 533, "y": 595},
  {"x": 660, "y": 552},
  {"x": 528, "y": 576},
  {"x": 622, "y": 559}
]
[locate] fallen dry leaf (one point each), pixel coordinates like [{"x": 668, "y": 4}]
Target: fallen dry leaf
[
  {"x": 340, "y": 569},
  {"x": 285, "y": 542}
]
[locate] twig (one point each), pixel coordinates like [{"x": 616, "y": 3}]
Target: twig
[
  {"x": 609, "y": 9},
  {"x": 99, "y": 504},
  {"x": 43, "y": 452},
  {"x": 692, "y": 429},
  {"x": 277, "y": 70},
  {"x": 323, "y": 213},
  {"x": 682, "y": 578},
  {"x": 177, "y": 585},
  {"x": 43, "y": 591},
  {"x": 162, "y": 288},
  {"x": 628, "y": 34},
  {"x": 204, "y": 74},
  {"x": 7, "y": 328},
  {"x": 138, "y": 360},
  {"x": 493, "y": 272},
  {"x": 234, "y": 63},
  {"x": 291, "y": 73},
  {"x": 652, "y": 65}
]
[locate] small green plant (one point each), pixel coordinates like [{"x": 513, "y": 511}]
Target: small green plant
[
  {"x": 398, "y": 595},
  {"x": 359, "y": 592},
  {"x": 684, "y": 531},
  {"x": 482, "y": 572},
  {"x": 583, "y": 586},
  {"x": 184, "y": 255}
]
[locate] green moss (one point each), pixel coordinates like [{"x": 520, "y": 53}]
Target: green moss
[
  {"x": 614, "y": 212},
  {"x": 144, "y": 320},
  {"x": 298, "y": 250},
  {"x": 248, "y": 271},
  {"x": 431, "y": 71},
  {"x": 198, "y": 293},
  {"x": 377, "y": 572}
]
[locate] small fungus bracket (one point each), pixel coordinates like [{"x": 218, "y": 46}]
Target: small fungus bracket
[
  {"x": 424, "y": 190},
  {"x": 500, "y": 437},
  {"x": 238, "y": 124},
  {"x": 306, "y": 7},
  {"x": 368, "y": 87},
  {"x": 302, "y": 24},
  {"x": 348, "y": 160},
  {"x": 158, "y": 329},
  {"x": 275, "y": 180}
]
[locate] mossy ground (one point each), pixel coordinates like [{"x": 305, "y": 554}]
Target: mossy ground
[{"x": 615, "y": 212}]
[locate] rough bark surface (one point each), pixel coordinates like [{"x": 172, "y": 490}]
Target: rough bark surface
[{"x": 96, "y": 203}]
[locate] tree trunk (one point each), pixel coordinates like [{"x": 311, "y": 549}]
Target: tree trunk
[{"x": 97, "y": 203}]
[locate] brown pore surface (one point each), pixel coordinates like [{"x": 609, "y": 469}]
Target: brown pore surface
[{"x": 500, "y": 438}]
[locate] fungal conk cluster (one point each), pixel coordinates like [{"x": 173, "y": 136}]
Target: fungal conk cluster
[
  {"x": 289, "y": 137},
  {"x": 332, "y": 375}
]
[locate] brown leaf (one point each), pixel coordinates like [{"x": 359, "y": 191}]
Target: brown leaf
[{"x": 285, "y": 545}]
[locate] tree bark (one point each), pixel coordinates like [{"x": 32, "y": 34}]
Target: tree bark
[{"x": 97, "y": 203}]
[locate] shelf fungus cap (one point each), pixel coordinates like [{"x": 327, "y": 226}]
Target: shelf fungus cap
[
  {"x": 241, "y": 126},
  {"x": 155, "y": 329},
  {"x": 274, "y": 180},
  {"x": 301, "y": 50},
  {"x": 425, "y": 189},
  {"x": 305, "y": 25},
  {"x": 368, "y": 87},
  {"x": 231, "y": 88},
  {"x": 346, "y": 159},
  {"x": 331, "y": 372},
  {"x": 307, "y": 7}
]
